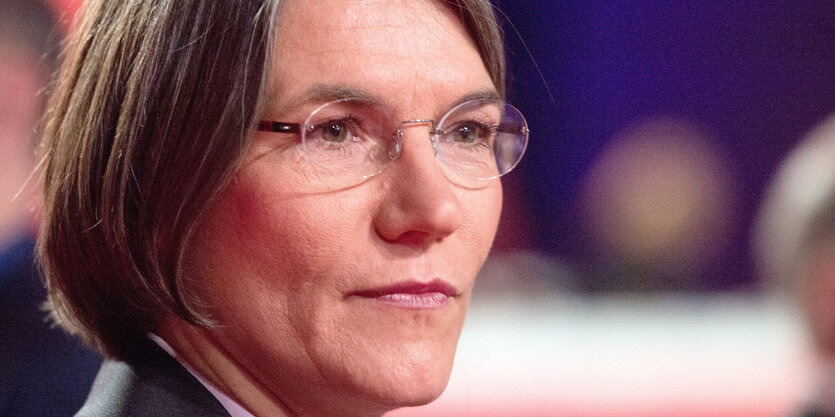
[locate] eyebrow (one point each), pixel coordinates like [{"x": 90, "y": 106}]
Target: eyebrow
[
  {"x": 323, "y": 93},
  {"x": 485, "y": 94}
]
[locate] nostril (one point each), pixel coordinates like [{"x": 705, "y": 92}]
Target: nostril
[{"x": 417, "y": 239}]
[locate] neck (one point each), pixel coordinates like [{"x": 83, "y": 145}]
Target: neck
[{"x": 195, "y": 347}]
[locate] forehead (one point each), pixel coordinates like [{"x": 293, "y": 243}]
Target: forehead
[{"x": 415, "y": 53}]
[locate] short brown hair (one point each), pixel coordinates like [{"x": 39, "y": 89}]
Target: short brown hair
[{"x": 154, "y": 108}]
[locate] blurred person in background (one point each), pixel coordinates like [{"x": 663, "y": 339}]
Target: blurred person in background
[
  {"x": 795, "y": 244},
  {"x": 43, "y": 371}
]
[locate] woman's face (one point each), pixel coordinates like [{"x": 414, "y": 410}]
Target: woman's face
[{"x": 351, "y": 299}]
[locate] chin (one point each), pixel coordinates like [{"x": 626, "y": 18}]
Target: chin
[
  {"x": 408, "y": 386},
  {"x": 411, "y": 396},
  {"x": 380, "y": 398}
]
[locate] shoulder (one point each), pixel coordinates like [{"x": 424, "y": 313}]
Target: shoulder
[{"x": 149, "y": 383}]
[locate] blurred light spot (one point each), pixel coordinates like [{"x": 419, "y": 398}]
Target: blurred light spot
[{"x": 659, "y": 196}]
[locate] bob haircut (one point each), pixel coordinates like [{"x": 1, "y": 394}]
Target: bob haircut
[{"x": 150, "y": 117}]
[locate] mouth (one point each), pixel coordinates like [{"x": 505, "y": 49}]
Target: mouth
[{"x": 411, "y": 294}]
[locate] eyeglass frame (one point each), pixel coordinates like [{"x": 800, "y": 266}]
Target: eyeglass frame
[
  {"x": 285, "y": 127},
  {"x": 296, "y": 128}
]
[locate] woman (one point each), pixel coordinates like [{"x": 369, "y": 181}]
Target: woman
[{"x": 245, "y": 188}]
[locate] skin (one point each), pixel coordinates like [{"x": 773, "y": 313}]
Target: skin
[{"x": 278, "y": 264}]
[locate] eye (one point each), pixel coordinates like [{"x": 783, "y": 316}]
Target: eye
[
  {"x": 470, "y": 133},
  {"x": 466, "y": 134},
  {"x": 335, "y": 131}
]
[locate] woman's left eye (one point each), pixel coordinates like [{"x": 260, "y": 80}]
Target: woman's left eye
[
  {"x": 466, "y": 134},
  {"x": 471, "y": 132}
]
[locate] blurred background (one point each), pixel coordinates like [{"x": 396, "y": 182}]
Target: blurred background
[
  {"x": 654, "y": 255},
  {"x": 674, "y": 104},
  {"x": 43, "y": 372}
]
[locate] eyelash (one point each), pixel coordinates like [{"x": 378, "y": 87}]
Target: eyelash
[
  {"x": 483, "y": 128},
  {"x": 350, "y": 122}
]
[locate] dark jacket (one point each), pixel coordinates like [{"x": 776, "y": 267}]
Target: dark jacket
[{"x": 148, "y": 383}]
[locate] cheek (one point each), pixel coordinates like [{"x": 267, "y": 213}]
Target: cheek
[
  {"x": 250, "y": 245},
  {"x": 273, "y": 231},
  {"x": 484, "y": 209},
  {"x": 255, "y": 222},
  {"x": 266, "y": 262}
]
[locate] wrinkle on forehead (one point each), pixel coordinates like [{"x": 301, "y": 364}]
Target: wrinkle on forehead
[
  {"x": 409, "y": 50},
  {"x": 405, "y": 16}
]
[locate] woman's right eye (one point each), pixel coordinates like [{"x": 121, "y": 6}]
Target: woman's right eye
[{"x": 335, "y": 131}]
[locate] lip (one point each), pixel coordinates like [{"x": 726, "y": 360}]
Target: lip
[{"x": 411, "y": 294}]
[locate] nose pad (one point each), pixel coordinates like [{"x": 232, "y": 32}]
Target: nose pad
[
  {"x": 397, "y": 137},
  {"x": 397, "y": 144}
]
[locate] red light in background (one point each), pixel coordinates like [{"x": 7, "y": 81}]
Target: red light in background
[{"x": 65, "y": 11}]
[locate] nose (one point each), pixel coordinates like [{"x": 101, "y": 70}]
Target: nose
[{"x": 420, "y": 206}]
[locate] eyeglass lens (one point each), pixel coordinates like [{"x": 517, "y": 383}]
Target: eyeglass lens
[{"x": 350, "y": 140}]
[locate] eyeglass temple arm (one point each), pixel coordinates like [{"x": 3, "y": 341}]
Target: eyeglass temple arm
[
  {"x": 278, "y": 127},
  {"x": 513, "y": 128}
]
